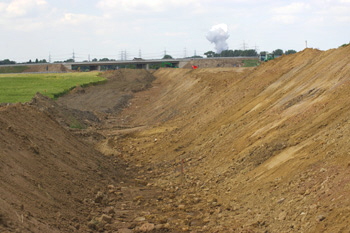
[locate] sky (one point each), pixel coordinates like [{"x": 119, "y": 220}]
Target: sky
[{"x": 55, "y": 29}]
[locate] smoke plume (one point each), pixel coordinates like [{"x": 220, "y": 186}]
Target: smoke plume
[{"x": 218, "y": 35}]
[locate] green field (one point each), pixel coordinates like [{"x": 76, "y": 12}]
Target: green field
[
  {"x": 22, "y": 87},
  {"x": 12, "y": 69},
  {"x": 251, "y": 63}
]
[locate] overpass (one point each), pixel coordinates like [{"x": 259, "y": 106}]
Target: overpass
[
  {"x": 144, "y": 64},
  {"x": 138, "y": 63}
]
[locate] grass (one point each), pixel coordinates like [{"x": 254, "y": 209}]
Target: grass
[
  {"x": 16, "y": 88},
  {"x": 250, "y": 63},
  {"x": 12, "y": 69},
  {"x": 75, "y": 124}
]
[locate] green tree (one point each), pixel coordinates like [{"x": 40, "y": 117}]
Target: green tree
[
  {"x": 6, "y": 62},
  {"x": 290, "y": 51},
  {"x": 209, "y": 54},
  {"x": 249, "y": 53},
  {"x": 166, "y": 56},
  {"x": 226, "y": 53},
  {"x": 278, "y": 52},
  {"x": 104, "y": 59}
]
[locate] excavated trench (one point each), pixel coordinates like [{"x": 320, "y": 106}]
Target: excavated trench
[{"x": 209, "y": 150}]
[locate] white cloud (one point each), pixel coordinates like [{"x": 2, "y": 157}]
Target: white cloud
[
  {"x": 154, "y": 24},
  {"x": 77, "y": 19},
  {"x": 175, "y": 34},
  {"x": 19, "y": 8},
  {"x": 293, "y": 8},
  {"x": 285, "y": 19},
  {"x": 289, "y": 14},
  {"x": 142, "y": 5}
]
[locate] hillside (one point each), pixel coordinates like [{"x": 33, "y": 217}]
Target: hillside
[
  {"x": 263, "y": 149},
  {"x": 227, "y": 149}
]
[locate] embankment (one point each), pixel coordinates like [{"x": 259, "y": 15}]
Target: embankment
[{"x": 265, "y": 149}]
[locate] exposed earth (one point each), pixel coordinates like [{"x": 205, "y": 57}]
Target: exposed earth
[
  {"x": 228, "y": 149},
  {"x": 47, "y": 68}
]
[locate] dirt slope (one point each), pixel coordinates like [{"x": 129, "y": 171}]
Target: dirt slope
[
  {"x": 53, "y": 180},
  {"x": 264, "y": 149},
  {"x": 113, "y": 96},
  {"x": 261, "y": 149},
  {"x": 48, "y": 176}
]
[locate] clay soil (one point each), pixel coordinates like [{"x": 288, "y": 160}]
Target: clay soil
[{"x": 261, "y": 149}]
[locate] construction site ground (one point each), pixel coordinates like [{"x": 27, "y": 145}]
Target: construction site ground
[{"x": 226, "y": 149}]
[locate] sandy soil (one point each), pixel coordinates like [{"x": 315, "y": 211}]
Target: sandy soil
[
  {"x": 47, "y": 68},
  {"x": 261, "y": 149}
]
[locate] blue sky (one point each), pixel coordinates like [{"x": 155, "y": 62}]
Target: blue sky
[{"x": 103, "y": 28}]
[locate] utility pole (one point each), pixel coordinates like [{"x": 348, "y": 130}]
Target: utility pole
[
  {"x": 49, "y": 57},
  {"x": 256, "y": 48},
  {"x": 185, "y": 52},
  {"x": 306, "y": 44},
  {"x": 140, "y": 53},
  {"x": 89, "y": 57},
  {"x": 73, "y": 56},
  {"x": 244, "y": 45},
  {"x": 195, "y": 53},
  {"x": 125, "y": 55}
]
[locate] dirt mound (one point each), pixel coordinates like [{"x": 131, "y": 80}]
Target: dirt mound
[
  {"x": 48, "y": 177},
  {"x": 47, "y": 68},
  {"x": 263, "y": 149}
]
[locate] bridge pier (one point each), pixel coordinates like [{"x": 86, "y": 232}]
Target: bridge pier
[
  {"x": 98, "y": 68},
  {"x": 142, "y": 66}
]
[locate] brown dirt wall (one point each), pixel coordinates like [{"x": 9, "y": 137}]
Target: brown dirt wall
[
  {"x": 268, "y": 144},
  {"x": 229, "y": 149}
]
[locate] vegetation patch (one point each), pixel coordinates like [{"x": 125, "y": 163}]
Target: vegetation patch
[
  {"x": 250, "y": 63},
  {"x": 75, "y": 124},
  {"x": 13, "y": 69},
  {"x": 22, "y": 87}
]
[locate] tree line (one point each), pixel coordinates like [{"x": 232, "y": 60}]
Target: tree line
[
  {"x": 247, "y": 53},
  {"x": 9, "y": 62},
  {"x": 225, "y": 53}
]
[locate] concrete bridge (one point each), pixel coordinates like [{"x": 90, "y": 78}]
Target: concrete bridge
[
  {"x": 145, "y": 64},
  {"x": 138, "y": 63}
]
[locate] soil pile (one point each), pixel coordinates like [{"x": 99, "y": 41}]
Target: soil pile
[
  {"x": 47, "y": 68},
  {"x": 264, "y": 149}
]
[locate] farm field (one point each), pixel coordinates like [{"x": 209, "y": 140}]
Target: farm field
[
  {"x": 227, "y": 149},
  {"x": 22, "y": 87}
]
